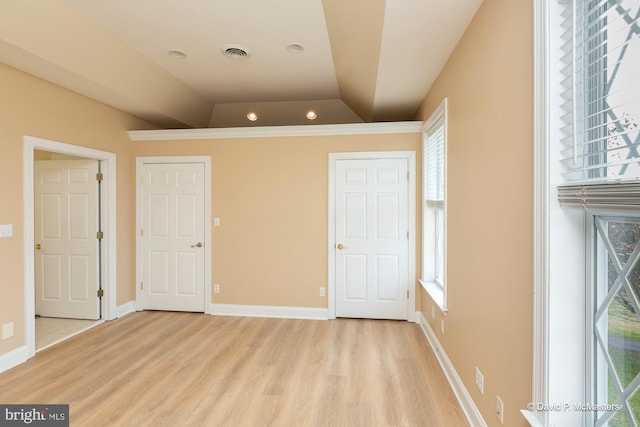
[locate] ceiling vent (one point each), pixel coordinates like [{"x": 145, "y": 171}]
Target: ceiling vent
[{"x": 235, "y": 52}]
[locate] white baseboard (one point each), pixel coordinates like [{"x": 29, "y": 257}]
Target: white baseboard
[
  {"x": 466, "y": 402},
  {"x": 269, "y": 311},
  {"x": 126, "y": 308},
  {"x": 13, "y": 358}
]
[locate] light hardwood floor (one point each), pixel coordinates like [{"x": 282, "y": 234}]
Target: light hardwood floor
[{"x": 186, "y": 369}]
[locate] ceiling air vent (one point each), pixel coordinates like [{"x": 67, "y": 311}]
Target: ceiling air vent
[{"x": 235, "y": 52}]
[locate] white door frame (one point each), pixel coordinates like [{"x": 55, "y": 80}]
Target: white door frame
[
  {"x": 108, "y": 209},
  {"x": 410, "y": 156},
  {"x": 140, "y": 162}
]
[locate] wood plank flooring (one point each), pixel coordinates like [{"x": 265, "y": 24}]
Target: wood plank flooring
[{"x": 186, "y": 369}]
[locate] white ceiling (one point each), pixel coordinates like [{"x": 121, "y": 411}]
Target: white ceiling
[{"x": 363, "y": 60}]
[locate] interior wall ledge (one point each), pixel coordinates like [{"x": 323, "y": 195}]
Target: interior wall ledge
[{"x": 277, "y": 131}]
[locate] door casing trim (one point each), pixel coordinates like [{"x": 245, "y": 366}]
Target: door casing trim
[
  {"x": 108, "y": 207},
  {"x": 410, "y": 156},
  {"x": 140, "y": 162}
]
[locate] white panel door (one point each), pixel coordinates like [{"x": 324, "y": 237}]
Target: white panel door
[
  {"x": 372, "y": 238},
  {"x": 66, "y": 252},
  {"x": 173, "y": 237}
]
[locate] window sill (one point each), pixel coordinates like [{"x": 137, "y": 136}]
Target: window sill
[
  {"x": 436, "y": 292},
  {"x": 531, "y": 418}
]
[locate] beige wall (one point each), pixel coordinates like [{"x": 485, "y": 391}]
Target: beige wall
[
  {"x": 30, "y": 106},
  {"x": 271, "y": 196},
  {"x": 270, "y": 193},
  {"x": 488, "y": 81}
]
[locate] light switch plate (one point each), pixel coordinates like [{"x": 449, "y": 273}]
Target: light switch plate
[{"x": 6, "y": 230}]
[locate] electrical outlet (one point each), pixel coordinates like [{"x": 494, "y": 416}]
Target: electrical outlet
[
  {"x": 7, "y": 330},
  {"x": 216, "y": 288},
  {"x": 479, "y": 380},
  {"x": 442, "y": 325},
  {"x": 500, "y": 409},
  {"x": 322, "y": 292}
]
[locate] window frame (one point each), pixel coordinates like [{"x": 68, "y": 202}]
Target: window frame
[
  {"x": 434, "y": 228},
  {"x": 558, "y": 329},
  {"x": 564, "y": 241}
]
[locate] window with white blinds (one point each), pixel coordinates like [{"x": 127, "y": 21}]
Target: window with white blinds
[
  {"x": 599, "y": 137},
  {"x": 434, "y": 205},
  {"x": 601, "y": 133}
]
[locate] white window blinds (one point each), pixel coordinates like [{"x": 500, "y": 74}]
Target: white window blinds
[
  {"x": 602, "y": 126},
  {"x": 435, "y": 164}
]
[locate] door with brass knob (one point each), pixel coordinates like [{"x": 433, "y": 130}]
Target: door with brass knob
[
  {"x": 66, "y": 240},
  {"x": 371, "y": 235}
]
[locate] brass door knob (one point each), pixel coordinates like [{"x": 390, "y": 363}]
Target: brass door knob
[
  {"x": 38, "y": 247},
  {"x": 197, "y": 245},
  {"x": 340, "y": 246}
]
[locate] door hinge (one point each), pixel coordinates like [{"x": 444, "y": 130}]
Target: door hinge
[
  {"x": 141, "y": 179},
  {"x": 99, "y": 177},
  {"x": 407, "y": 175},
  {"x": 407, "y": 293},
  {"x": 142, "y": 232},
  {"x": 407, "y": 234},
  {"x": 99, "y": 235},
  {"x": 141, "y": 285},
  {"x": 100, "y": 293}
]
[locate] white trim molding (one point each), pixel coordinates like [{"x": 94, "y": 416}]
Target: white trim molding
[
  {"x": 126, "y": 308},
  {"x": 13, "y": 358},
  {"x": 540, "y": 367},
  {"x": 109, "y": 227},
  {"x": 282, "y": 312},
  {"x": 469, "y": 408},
  {"x": 276, "y": 131}
]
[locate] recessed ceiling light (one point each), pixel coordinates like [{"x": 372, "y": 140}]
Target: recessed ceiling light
[
  {"x": 176, "y": 54},
  {"x": 295, "y": 48},
  {"x": 252, "y": 116},
  {"x": 311, "y": 115}
]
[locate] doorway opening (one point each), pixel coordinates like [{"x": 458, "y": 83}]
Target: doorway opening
[
  {"x": 105, "y": 270},
  {"x": 67, "y": 222}
]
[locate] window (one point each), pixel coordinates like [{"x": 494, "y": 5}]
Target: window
[
  {"x": 587, "y": 263},
  {"x": 615, "y": 321},
  {"x": 434, "y": 205},
  {"x": 600, "y": 172}
]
